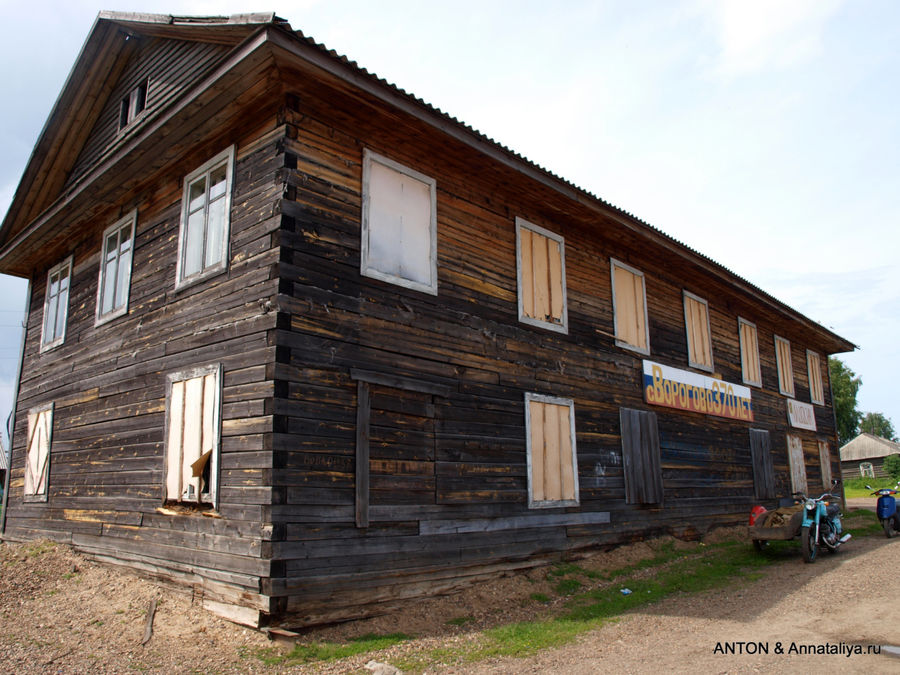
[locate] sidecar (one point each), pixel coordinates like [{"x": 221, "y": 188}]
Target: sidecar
[{"x": 778, "y": 525}]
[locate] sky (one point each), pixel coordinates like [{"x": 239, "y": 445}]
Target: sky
[{"x": 764, "y": 134}]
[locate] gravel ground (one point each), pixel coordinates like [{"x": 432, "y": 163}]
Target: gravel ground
[{"x": 61, "y": 613}]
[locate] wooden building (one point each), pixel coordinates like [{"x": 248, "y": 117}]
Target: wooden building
[
  {"x": 302, "y": 342},
  {"x": 865, "y": 455}
]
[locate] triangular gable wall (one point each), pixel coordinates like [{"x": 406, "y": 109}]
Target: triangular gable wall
[{"x": 169, "y": 66}]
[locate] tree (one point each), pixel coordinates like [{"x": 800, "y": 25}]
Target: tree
[
  {"x": 878, "y": 425},
  {"x": 844, "y": 387},
  {"x": 892, "y": 466}
]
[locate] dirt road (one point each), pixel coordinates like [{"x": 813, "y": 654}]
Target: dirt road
[{"x": 845, "y": 602}]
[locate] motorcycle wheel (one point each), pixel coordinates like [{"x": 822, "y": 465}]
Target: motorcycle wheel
[
  {"x": 808, "y": 541},
  {"x": 760, "y": 544},
  {"x": 888, "y": 524}
]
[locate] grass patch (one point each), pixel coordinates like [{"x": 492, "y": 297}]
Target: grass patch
[
  {"x": 39, "y": 548},
  {"x": 861, "y": 522},
  {"x": 460, "y": 620},
  {"x": 329, "y": 651},
  {"x": 568, "y": 586},
  {"x": 856, "y": 487},
  {"x": 563, "y": 569}
]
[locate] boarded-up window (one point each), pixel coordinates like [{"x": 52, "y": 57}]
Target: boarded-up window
[
  {"x": 37, "y": 458},
  {"x": 814, "y": 366},
  {"x": 825, "y": 462},
  {"x": 192, "y": 435},
  {"x": 785, "y": 370},
  {"x": 798, "y": 466},
  {"x": 56, "y": 305},
  {"x": 629, "y": 307},
  {"x": 115, "y": 269},
  {"x": 641, "y": 457},
  {"x": 399, "y": 224},
  {"x": 749, "y": 353},
  {"x": 696, "y": 321},
  {"x": 761, "y": 456},
  {"x": 552, "y": 458},
  {"x": 541, "y": 276},
  {"x": 205, "y": 220}
]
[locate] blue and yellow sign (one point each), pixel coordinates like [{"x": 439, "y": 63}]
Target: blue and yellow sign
[{"x": 686, "y": 390}]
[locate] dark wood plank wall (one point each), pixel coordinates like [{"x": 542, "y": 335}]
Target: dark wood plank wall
[
  {"x": 462, "y": 457},
  {"x": 169, "y": 67},
  {"x": 108, "y": 386}
]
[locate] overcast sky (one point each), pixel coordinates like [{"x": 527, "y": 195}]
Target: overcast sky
[{"x": 764, "y": 134}]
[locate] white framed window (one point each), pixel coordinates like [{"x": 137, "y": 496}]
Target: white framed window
[
  {"x": 750, "y": 370},
  {"x": 193, "y": 421},
  {"x": 552, "y": 457},
  {"x": 399, "y": 224},
  {"x": 205, "y": 220},
  {"x": 56, "y": 305},
  {"x": 785, "y": 369},
  {"x": 814, "y": 368},
  {"x": 696, "y": 322},
  {"x": 116, "y": 257},
  {"x": 37, "y": 458},
  {"x": 629, "y": 298},
  {"x": 133, "y": 105},
  {"x": 541, "y": 277}
]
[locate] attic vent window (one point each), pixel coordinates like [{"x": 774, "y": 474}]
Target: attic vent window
[{"x": 133, "y": 105}]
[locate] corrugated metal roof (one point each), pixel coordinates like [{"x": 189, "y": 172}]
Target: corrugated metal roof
[{"x": 868, "y": 446}]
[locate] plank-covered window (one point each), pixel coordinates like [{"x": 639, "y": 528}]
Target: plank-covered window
[
  {"x": 761, "y": 457},
  {"x": 205, "y": 220},
  {"x": 399, "y": 224},
  {"x": 552, "y": 457},
  {"x": 56, "y": 305},
  {"x": 696, "y": 321},
  {"x": 37, "y": 457},
  {"x": 641, "y": 457},
  {"x": 783, "y": 364},
  {"x": 541, "y": 276},
  {"x": 192, "y": 435},
  {"x": 797, "y": 464},
  {"x": 825, "y": 463},
  {"x": 133, "y": 105},
  {"x": 750, "y": 370},
  {"x": 629, "y": 297},
  {"x": 814, "y": 367},
  {"x": 115, "y": 269}
]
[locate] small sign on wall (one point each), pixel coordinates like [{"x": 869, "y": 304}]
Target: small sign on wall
[
  {"x": 686, "y": 390},
  {"x": 801, "y": 415}
]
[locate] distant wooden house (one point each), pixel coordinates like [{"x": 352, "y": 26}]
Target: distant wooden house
[
  {"x": 865, "y": 455},
  {"x": 302, "y": 342}
]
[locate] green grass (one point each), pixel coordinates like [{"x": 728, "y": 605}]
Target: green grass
[
  {"x": 540, "y": 597},
  {"x": 567, "y": 586},
  {"x": 460, "y": 621},
  {"x": 856, "y": 487}
]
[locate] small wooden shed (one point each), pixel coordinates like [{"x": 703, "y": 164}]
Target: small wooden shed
[
  {"x": 309, "y": 346},
  {"x": 866, "y": 453}
]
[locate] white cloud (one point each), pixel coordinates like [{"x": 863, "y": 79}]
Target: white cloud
[{"x": 767, "y": 34}]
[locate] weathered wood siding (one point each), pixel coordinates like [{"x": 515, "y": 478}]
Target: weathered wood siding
[
  {"x": 168, "y": 66},
  {"x": 108, "y": 386},
  {"x": 447, "y": 473}
]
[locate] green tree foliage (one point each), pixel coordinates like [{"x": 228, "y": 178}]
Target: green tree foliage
[
  {"x": 878, "y": 425},
  {"x": 892, "y": 466},
  {"x": 844, "y": 387}
]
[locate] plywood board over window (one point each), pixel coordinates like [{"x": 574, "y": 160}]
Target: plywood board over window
[
  {"x": 750, "y": 370},
  {"x": 785, "y": 369},
  {"x": 814, "y": 368},
  {"x": 629, "y": 296},
  {"x": 763, "y": 471},
  {"x": 541, "y": 275},
  {"x": 797, "y": 463},
  {"x": 552, "y": 457},
  {"x": 399, "y": 224},
  {"x": 193, "y": 413},
  {"x": 696, "y": 321},
  {"x": 37, "y": 458},
  {"x": 825, "y": 463}
]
